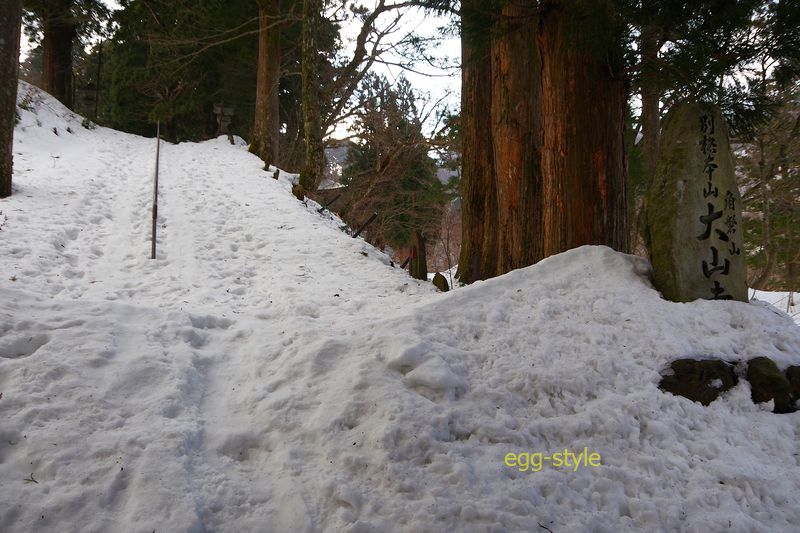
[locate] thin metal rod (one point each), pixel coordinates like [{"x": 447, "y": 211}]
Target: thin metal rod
[
  {"x": 367, "y": 223},
  {"x": 155, "y": 190},
  {"x": 326, "y": 206}
]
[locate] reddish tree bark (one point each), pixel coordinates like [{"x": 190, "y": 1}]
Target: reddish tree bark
[
  {"x": 543, "y": 117},
  {"x": 583, "y": 153},
  {"x": 10, "y": 19},
  {"x": 266, "y": 124},
  {"x": 59, "y": 29},
  {"x": 517, "y": 139},
  {"x": 478, "y": 258}
]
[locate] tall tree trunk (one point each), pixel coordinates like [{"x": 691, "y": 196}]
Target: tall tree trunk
[
  {"x": 583, "y": 152},
  {"x": 419, "y": 260},
  {"x": 651, "y": 95},
  {"x": 10, "y": 19},
  {"x": 543, "y": 118},
  {"x": 266, "y": 125},
  {"x": 59, "y": 29},
  {"x": 478, "y": 258},
  {"x": 292, "y": 142},
  {"x": 518, "y": 136},
  {"x": 314, "y": 164}
]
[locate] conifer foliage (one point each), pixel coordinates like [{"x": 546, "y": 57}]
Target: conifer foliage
[{"x": 388, "y": 169}]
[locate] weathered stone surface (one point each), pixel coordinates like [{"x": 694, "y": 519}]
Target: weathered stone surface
[
  {"x": 441, "y": 282},
  {"x": 699, "y": 380},
  {"x": 768, "y": 383},
  {"x": 793, "y": 375},
  {"x": 694, "y": 210}
]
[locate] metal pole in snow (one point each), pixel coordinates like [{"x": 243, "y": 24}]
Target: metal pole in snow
[
  {"x": 155, "y": 191},
  {"x": 367, "y": 223},
  {"x": 326, "y": 206}
]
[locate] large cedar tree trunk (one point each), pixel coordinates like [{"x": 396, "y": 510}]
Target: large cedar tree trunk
[
  {"x": 266, "y": 125},
  {"x": 518, "y": 136},
  {"x": 59, "y": 29},
  {"x": 543, "y": 117},
  {"x": 583, "y": 152},
  {"x": 478, "y": 258},
  {"x": 314, "y": 163},
  {"x": 10, "y": 18}
]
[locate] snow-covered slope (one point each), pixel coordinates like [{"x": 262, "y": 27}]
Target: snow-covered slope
[
  {"x": 785, "y": 301},
  {"x": 264, "y": 374}
]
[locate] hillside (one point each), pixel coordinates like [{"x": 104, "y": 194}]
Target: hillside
[{"x": 269, "y": 373}]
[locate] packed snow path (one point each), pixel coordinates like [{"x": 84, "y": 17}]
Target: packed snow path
[
  {"x": 269, "y": 373},
  {"x": 241, "y": 272}
]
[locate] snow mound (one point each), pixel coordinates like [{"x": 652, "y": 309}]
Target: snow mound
[
  {"x": 38, "y": 109},
  {"x": 412, "y": 417}
]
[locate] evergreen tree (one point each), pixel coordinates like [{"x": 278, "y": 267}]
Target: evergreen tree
[
  {"x": 265, "y": 140},
  {"x": 61, "y": 23},
  {"x": 769, "y": 167},
  {"x": 389, "y": 171},
  {"x": 165, "y": 61},
  {"x": 330, "y": 80},
  {"x": 703, "y": 51}
]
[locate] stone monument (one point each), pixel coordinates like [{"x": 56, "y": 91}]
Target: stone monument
[
  {"x": 224, "y": 115},
  {"x": 694, "y": 210}
]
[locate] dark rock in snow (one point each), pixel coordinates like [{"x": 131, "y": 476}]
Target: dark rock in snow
[
  {"x": 441, "y": 282},
  {"x": 699, "y": 380},
  {"x": 793, "y": 375},
  {"x": 768, "y": 383}
]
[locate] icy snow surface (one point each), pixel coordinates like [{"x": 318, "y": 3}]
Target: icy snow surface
[{"x": 263, "y": 374}]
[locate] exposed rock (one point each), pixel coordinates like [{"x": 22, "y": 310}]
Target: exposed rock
[
  {"x": 694, "y": 210},
  {"x": 441, "y": 282},
  {"x": 699, "y": 380},
  {"x": 299, "y": 192},
  {"x": 793, "y": 375},
  {"x": 768, "y": 383}
]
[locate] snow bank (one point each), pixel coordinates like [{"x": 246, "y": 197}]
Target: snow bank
[
  {"x": 785, "y": 301},
  {"x": 414, "y": 420},
  {"x": 269, "y": 373}
]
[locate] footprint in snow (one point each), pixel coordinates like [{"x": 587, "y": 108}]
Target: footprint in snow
[{"x": 23, "y": 346}]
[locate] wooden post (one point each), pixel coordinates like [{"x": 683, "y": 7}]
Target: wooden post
[
  {"x": 155, "y": 190},
  {"x": 419, "y": 263}
]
